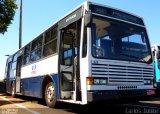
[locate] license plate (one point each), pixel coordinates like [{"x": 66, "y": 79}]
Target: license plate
[{"x": 150, "y": 92}]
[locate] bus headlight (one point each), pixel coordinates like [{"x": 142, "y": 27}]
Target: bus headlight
[
  {"x": 100, "y": 81},
  {"x": 147, "y": 82}
]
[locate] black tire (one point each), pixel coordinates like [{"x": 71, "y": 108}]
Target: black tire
[
  {"x": 50, "y": 95},
  {"x": 13, "y": 92}
]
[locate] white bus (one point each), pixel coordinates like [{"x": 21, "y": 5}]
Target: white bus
[{"x": 94, "y": 53}]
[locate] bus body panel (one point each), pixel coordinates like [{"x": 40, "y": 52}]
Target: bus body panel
[{"x": 42, "y": 67}]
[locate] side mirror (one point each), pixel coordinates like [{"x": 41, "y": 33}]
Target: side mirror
[
  {"x": 87, "y": 18},
  {"x": 143, "y": 38},
  {"x": 158, "y": 55}
]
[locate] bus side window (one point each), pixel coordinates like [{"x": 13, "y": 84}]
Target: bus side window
[
  {"x": 50, "y": 42},
  {"x": 26, "y": 55},
  {"x": 36, "y": 49}
]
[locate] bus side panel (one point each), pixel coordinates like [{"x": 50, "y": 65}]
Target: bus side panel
[
  {"x": 55, "y": 78},
  {"x": 32, "y": 86},
  {"x": 25, "y": 89}
]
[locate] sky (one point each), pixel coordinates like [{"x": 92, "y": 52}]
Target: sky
[{"x": 38, "y": 15}]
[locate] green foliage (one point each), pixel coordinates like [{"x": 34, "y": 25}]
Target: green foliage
[{"x": 7, "y": 11}]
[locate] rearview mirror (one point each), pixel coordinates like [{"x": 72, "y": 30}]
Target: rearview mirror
[{"x": 87, "y": 18}]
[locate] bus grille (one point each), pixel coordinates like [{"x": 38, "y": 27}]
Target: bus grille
[{"x": 122, "y": 73}]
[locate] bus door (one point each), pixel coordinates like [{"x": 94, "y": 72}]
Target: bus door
[
  {"x": 69, "y": 61},
  {"x": 18, "y": 74}
]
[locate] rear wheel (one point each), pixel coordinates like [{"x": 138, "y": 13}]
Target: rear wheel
[{"x": 50, "y": 96}]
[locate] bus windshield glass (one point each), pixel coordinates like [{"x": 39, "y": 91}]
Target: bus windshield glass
[{"x": 113, "y": 39}]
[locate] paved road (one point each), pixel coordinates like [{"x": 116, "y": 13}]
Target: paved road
[{"x": 27, "y": 105}]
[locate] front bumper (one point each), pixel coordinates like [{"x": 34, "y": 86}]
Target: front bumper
[{"x": 114, "y": 94}]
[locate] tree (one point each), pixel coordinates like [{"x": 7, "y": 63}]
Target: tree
[{"x": 7, "y": 11}]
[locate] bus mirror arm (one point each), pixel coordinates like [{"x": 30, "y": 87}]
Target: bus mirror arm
[
  {"x": 87, "y": 18},
  {"x": 158, "y": 57},
  {"x": 157, "y": 54}
]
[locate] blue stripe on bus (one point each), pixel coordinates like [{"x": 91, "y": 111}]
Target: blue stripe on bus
[
  {"x": 33, "y": 86},
  {"x": 56, "y": 82}
]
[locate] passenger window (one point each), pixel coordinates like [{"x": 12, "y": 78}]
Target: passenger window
[
  {"x": 26, "y": 55},
  {"x": 36, "y": 49},
  {"x": 50, "y": 43}
]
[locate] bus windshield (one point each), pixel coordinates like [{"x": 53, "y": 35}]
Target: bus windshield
[{"x": 119, "y": 40}]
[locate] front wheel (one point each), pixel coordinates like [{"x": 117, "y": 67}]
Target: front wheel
[{"x": 50, "y": 96}]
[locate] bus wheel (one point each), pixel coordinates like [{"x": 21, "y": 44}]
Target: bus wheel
[
  {"x": 13, "y": 90},
  {"x": 50, "y": 96}
]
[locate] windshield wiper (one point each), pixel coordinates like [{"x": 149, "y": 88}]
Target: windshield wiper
[{"x": 135, "y": 57}]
